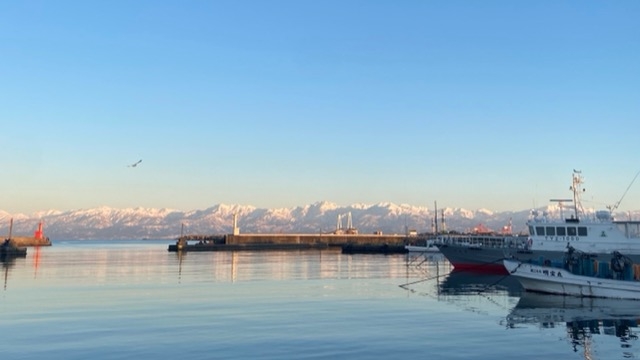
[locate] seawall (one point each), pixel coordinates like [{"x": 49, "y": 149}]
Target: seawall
[
  {"x": 316, "y": 239},
  {"x": 351, "y": 243},
  {"x": 22, "y": 241}
]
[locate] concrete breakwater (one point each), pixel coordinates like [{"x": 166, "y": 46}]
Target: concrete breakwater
[
  {"x": 38, "y": 238},
  {"x": 235, "y": 242},
  {"x": 22, "y": 241},
  {"x": 324, "y": 239}
]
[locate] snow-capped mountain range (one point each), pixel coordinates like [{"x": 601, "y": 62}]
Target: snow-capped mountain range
[{"x": 137, "y": 223}]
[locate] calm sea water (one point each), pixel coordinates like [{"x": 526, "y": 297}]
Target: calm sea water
[{"x": 134, "y": 299}]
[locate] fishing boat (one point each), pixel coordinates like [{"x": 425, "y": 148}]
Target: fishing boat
[
  {"x": 479, "y": 252},
  {"x": 595, "y": 232},
  {"x": 579, "y": 274},
  {"x": 9, "y": 249}
]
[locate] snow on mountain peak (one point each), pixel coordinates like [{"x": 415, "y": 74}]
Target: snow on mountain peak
[
  {"x": 325, "y": 205},
  {"x": 109, "y": 223},
  {"x": 484, "y": 211}
]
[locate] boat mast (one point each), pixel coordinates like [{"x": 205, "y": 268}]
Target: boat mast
[
  {"x": 10, "y": 228},
  {"x": 561, "y": 205},
  {"x": 435, "y": 219},
  {"x": 577, "y": 189}
]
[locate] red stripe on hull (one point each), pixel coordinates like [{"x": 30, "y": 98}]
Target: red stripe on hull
[{"x": 491, "y": 268}]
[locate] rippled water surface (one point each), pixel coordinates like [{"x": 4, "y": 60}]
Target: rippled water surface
[{"x": 134, "y": 299}]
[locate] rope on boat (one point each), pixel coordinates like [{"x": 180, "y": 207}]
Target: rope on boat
[
  {"x": 479, "y": 292},
  {"x": 501, "y": 279},
  {"x": 414, "y": 259},
  {"x": 405, "y": 286}
]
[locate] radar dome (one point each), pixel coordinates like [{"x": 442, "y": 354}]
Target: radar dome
[{"x": 603, "y": 215}]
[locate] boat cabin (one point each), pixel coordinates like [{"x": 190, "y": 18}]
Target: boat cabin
[
  {"x": 629, "y": 229},
  {"x": 541, "y": 230}
]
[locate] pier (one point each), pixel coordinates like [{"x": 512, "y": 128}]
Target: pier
[
  {"x": 348, "y": 239},
  {"x": 30, "y": 241},
  {"x": 349, "y": 243},
  {"x": 38, "y": 238}
]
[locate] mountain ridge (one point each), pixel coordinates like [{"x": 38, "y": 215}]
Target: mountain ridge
[{"x": 163, "y": 223}]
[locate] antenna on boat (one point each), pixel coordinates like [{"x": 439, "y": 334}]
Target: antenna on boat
[
  {"x": 435, "y": 219},
  {"x": 577, "y": 189},
  {"x": 615, "y": 206},
  {"x": 560, "y": 201}
]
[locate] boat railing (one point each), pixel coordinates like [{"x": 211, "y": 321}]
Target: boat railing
[{"x": 491, "y": 241}]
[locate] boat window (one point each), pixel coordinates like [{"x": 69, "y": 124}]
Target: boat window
[
  {"x": 551, "y": 231},
  {"x": 582, "y": 231},
  {"x": 531, "y": 230},
  {"x": 561, "y": 231},
  {"x": 571, "y": 230},
  {"x": 540, "y": 230},
  {"x": 629, "y": 229}
]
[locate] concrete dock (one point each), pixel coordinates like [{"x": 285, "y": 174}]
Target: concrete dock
[
  {"x": 354, "y": 243},
  {"x": 22, "y": 241},
  {"x": 38, "y": 238}
]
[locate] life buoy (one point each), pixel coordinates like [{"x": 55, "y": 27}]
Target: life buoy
[{"x": 529, "y": 242}]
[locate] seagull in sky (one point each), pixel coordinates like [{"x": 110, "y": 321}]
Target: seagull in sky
[{"x": 135, "y": 163}]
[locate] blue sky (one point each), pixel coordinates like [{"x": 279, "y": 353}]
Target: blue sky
[{"x": 473, "y": 104}]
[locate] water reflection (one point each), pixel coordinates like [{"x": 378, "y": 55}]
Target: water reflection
[
  {"x": 469, "y": 283},
  {"x": 426, "y": 266},
  {"x": 434, "y": 268},
  {"x": 474, "y": 292},
  {"x": 584, "y": 318},
  {"x": 36, "y": 261},
  {"x": 233, "y": 266},
  {"x": 7, "y": 263}
]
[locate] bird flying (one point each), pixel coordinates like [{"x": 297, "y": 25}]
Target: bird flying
[{"x": 135, "y": 163}]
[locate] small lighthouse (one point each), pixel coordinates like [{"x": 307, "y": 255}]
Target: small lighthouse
[{"x": 38, "y": 234}]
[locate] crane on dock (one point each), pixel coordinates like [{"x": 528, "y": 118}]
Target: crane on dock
[{"x": 349, "y": 229}]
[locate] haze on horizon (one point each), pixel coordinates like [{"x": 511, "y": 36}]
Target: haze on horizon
[{"x": 287, "y": 103}]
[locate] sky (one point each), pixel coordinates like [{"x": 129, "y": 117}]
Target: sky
[{"x": 470, "y": 104}]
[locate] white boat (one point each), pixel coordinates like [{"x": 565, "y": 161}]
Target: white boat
[
  {"x": 579, "y": 277},
  {"x": 429, "y": 247},
  {"x": 594, "y": 232}
]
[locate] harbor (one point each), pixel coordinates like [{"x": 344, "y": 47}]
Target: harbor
[{"x": 348, "y": 239}]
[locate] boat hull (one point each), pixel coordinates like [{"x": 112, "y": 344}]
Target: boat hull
[
  {"x": 489, "y": 259},
  {"x": 551, "y": 280},
  {"x": 8, "y": 252}
]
